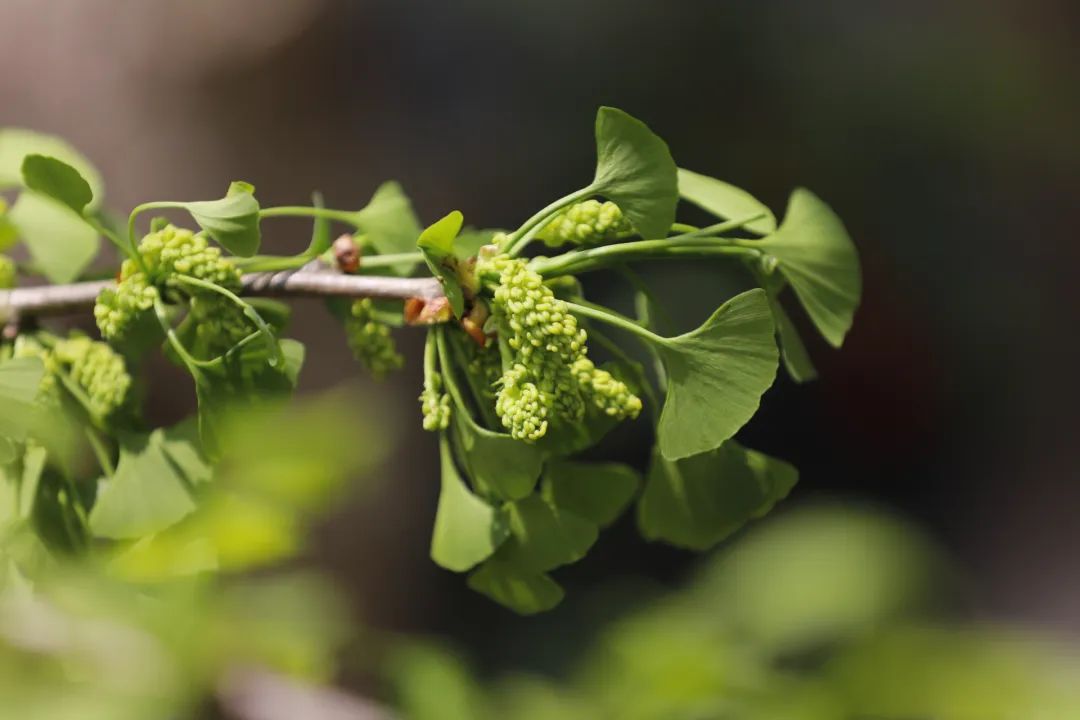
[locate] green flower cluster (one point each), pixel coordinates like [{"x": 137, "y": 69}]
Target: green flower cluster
[
  {"x": 219, "y": 324},
  {"x": 370, "y": 339},
  {"x": 584, "y": 223},
  {"x": 8, "y": 271},
  {"x": 94, "y": 367},
  {"x": 435, "y": 404},
  {"x": 165, "y": 253},
  {"x": 485, "y": 364},
  {"x": 551, "y": 377}
]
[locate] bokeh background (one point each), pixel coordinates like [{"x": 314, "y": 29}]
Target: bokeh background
[{"x": 944, "y": 133}]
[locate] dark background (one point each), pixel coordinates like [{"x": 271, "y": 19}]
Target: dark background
[{"x": 945, "y": 134}]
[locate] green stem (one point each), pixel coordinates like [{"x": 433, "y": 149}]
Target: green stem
[
  {"x": 133, "y": 244},
  {"x": 430, "y": 363},
  {"x": 272, "y": 263},
  {"x": 449, "y": 381},
  {"x": 607, "y": 255},
  {"x": 597, "y": 312},
  {"x": 108, "y": 233},
  {"x": 190, "y": 362},
  {"x": 521, "y": 237},
  {"x": 97, "y": 444},
  {"x": 382, "y": 261},
  {"x": 250, "y": 313},
  {"x": 342, "y": 216}
]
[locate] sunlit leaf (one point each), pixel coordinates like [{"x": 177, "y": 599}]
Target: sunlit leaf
[
  {"x": 58, "y": 180},
  {"x": 232, "y": 221},
  {"x": 522, "y": 592},
  {"x": 634, "y": 170},
  {"x": 716, "y": 376},
  {"x": 497, "y": 461},
  {"x": 467, "y": 529},
  {"x": 725, "y": 201},
  {"x": 390, "y": 223},
  {"x": 816, "y": 255},
  {"x": 792, "y": 350},
  {"x": 598, "y": 492},
  {"x": 17, "y": 143},
  {"x": 436, "y": 243},
  {"x": 60, "y": 241},
  {"x": 543, "y": 536},
  {"x": 698, "y": 501}
]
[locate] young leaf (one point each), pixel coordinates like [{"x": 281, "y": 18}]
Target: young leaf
[
  {"x": 232, "y": 221},
  {"x": 58, "y": 180},
  {"x": 149, "y": 491},
  {"x": 467, "y": 529},
  {"x": 390, "y": 223},
  {"x": 19, "y": 382},
  {"x": 634, "y": 170},
  {"x": 61, "y": 243},
  {"x": 17, "y": 143},
  {"x": 698, "y": 501},
  {"x": 725, "y": 201},
  {"x": 816, "y": 255},
  {"x": 595, "y": 491},
  {"x": 716, "y": 375},
  {"x": 497, "y": 461},
  {"x": 436, "y": 243},
  {"x": 523, "y": 593},
  {"x": 543, "y": 536}
]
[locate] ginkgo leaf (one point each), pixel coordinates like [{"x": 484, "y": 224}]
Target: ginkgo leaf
[
  {"x": 522, "y": 592},
  {"x": 716, "y": 376},
  {"x": 543, "y": 536},
  {"x": 390, "y": 223},
  {"x": 598, "y": 492},
  {"x": 232, "y": 221},
  {"x": 467, "y": 529},
  {"x": 792, "y": 350},
  {"x": 698, "y": 501},
  {"x": 634, "y": 169},
  {"x": 60, "y": 241},
  {"x": 17, "y": 143},
  {"x": 816, "y": 255},
  {"x": 436, "y": 243},
  {"x": 149, "y": 491},
  {"x": 497, "y": 461},
  {"x": 20, "y": 379},
  {"x": 725, "y": 201},
  {"x": 58, "y": 180}
]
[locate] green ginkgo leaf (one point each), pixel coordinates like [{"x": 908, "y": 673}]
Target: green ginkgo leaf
[
  {"x": 716, "y": 376},
  {"x": 436, "y": 243},
  {"x": 232, "y": 221},
  {"x": 20, "y": 379},
  {"x": 522, "y": 592},
  {"x": 792, "y": 350},
  {"x": 634, "y": 169},
  {"x": 467, "y": 529},
  {"x": 815, "y": 253},
  {"x": 151, "y": 489},
  {"x": 598, "y": 492},
  {"x": 543, "y": 536},
  {"x": 60, "y": 241},
  {"x": 17, "y": 143},
  {"x": 698, "y": 501},
  {"x": 725, "y": 201},
  {"x": 58, "y": 180},
  {"x": 390, "y": 223},
  {"x": 508, "y": 467}
]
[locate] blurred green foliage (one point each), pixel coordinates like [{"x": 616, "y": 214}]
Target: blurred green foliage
[{"x": 823, "y": 614}]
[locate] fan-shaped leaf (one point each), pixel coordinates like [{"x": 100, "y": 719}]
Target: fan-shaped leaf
[
  {"x": 60, "y": 241},
  {"x": 598, "y": 492},
  {"x": 497, "y": 461},
  {"x": 58, "y": 180},
  {"x": 436, "y": 243},
  {"x": 698, "y": 501},
  {"x": 816, "y": 255},
  {"x": 543, "y": 536},
  {"x": 634, "y": 170},
  {"x": 232, "y": 221},
  {"x": 390, "y": 223},
  {"x": 467, "y": 529},
  {"x": 19, "y": 382},
  {"x": 524, "y": 593},
  {"x": 716, "y": 375},
  {"x": 17, "y": 143}
]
